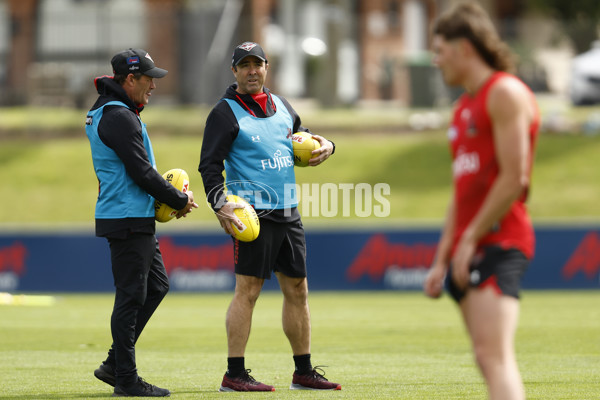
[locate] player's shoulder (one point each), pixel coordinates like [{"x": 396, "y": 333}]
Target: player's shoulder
[
  {"x": 221, "y": 110},
  {"x": 116, "y": 117},
  {"x": 282, "y": 99},
  {"x": 509, "y": 97},
  {"x": 117, "y": 109},
  {"x": 286, "y": 104},
  {"x": 221, "y": 119},
  {"x": 507, "y": 87},
  {"x": 508, "y": 90}
]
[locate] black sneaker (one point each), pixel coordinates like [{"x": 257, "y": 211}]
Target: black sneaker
[
  {"x": 140, "y": 388},
  {"x": 106, "y": 374}
]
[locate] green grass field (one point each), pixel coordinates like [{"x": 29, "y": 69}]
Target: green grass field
[
  {"x": 47, "y": 175},
  {"x": 53, "y": 182},
  {"x": 381, "y": 345}
]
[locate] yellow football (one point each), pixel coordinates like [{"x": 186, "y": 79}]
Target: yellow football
[
  {"x": 178, "y": 178},
  {"x": 248, "y": 217},
  {"x": 303, "y": 144}
]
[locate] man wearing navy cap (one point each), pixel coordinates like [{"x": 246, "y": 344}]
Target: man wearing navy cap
[
  {"x": 249, "y": 135},
  {"x": 128, "y": 187}
]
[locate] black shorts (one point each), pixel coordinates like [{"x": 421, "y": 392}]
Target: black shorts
[
  {"x": 495, "y": 267},
  {"x": 280, "y": 247}
]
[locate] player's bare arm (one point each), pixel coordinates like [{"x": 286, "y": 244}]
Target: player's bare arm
[{"x": 434, "y": 282}]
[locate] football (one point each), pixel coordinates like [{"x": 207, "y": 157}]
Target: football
[
  {"x": 178, "y": 178},
  {"x": 303, "y": 144},
  {"x": 248, "y": 217}
]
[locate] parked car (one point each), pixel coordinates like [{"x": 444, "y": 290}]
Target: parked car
[{"x": 585, "y": 76}]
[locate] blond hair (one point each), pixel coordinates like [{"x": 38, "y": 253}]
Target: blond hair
[{"x": 471, "y": 22}]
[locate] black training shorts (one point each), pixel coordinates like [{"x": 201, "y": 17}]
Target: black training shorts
[
  {"x": 280, "y": 247},
  {"x": 496, "y": 267}
]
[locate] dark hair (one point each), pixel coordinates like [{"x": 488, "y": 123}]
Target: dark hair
[
  {"x": 471, "y": 22},
  {"x": 120, "y": 78}
]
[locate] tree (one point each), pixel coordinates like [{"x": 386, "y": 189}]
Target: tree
[
  {"x": 579, "y": 19},
  {"x": 22, "y": 48}
]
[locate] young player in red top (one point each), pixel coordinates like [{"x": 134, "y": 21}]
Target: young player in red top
[{"x": 487, "y": 239}]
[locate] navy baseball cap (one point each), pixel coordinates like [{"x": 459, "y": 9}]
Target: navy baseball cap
[
  {"x": 247, "y": 49},
  {"x": 131, "y": 61}
]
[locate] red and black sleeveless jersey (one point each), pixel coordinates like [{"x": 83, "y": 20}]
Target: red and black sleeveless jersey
[{"x": 475, "y": 169}]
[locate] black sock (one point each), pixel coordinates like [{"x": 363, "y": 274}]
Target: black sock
[
  {"x": 235, "y": 366},
  {"x": 303, "y": 365}
]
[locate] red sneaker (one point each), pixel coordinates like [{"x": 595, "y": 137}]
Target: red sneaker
[
  {"x": 313, "y": 381},
  {"x": 244, "y": 383}
]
